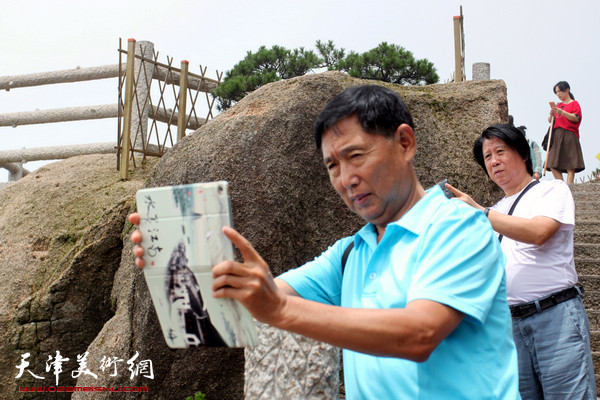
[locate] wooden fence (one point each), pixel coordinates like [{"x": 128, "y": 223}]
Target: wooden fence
[{"x": 136, "y": 106}]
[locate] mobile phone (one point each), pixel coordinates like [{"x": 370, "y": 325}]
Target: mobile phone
[
  {"x": 182, "y": 238},
  {"x": 446, "y": 191},
  {"x": 552, "y": 104}
]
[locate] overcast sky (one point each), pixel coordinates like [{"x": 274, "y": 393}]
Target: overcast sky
[{"x": 531, "y": 45}]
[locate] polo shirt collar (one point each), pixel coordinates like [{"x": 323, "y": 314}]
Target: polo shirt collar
[{"x": 413, "y": 221}]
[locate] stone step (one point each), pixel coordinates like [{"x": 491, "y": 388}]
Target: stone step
[
  {"x": 586, "y": 183},
  {"x": 590, "y": 283},
  {"x": 586, "y": 251},
  {"x": 583, "y": 237},
  {"x": 587, "y": 258},
  {"x": 594, "y": 317},
  {"x": 587, "y": 266},
  {"x": 587, "y": 231},
  {"x": 595, "y": 341},
  {"x": 586, "y": 215},
  {"x": 584, "y": 186},
  {"x": 591, "y": 300},
  {"x": 592, "y": 205},
  {"x": 585, "y": 192},
  {"x": 585, "y": 196},
  {"x": 588, "y": 225},
  {"x": 596, "y": 362}
]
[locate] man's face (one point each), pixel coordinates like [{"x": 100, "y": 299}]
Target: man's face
[
  {"x": 373, "y": 174},
  {"x": 503, "y": 164}
]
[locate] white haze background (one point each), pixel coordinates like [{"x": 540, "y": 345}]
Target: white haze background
[{"x": 530, "y": 45}]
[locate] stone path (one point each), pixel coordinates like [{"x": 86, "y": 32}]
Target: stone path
[{"x": 587, "y": 258}]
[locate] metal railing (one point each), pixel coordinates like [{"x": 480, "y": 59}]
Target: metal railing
[{"x": 134, "y": 109}]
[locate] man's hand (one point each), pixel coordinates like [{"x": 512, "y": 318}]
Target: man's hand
[
  {"x": 136, "y": 237},
  {"x": 249, "y": 282},
  {"x": 464, "y": 197},
  {"x": 536, "y": 230}
]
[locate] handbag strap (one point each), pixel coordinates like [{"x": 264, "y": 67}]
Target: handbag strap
[{"x": 512, "y": 208}]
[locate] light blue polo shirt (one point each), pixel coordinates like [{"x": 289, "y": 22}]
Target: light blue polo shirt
[{"x": 441, "y": 250}]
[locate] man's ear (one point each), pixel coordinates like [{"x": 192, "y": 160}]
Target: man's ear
[{"x": 405, "y": 137}]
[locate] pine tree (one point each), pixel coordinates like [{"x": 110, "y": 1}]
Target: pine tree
[{"x": 386, "y": 62}]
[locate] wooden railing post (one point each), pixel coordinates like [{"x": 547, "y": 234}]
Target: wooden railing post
[
  {"x": 143, "y": 72},
  {"x": 459, "y": 48},
  {"x": 126, "y": 134},
  {"x": 183, "y": 86}
]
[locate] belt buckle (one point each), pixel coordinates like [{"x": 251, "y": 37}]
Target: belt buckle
[{"x": 527, "y": 309}]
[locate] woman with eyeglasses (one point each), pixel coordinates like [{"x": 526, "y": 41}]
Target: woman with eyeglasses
[{"x": 564, "y": 152}]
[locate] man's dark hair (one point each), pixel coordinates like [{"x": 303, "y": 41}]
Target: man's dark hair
[
  {"x": 380, "y": 111},
  {"x": 510, "y": 135}
]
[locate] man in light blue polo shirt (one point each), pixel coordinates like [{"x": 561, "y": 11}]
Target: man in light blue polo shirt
[
  {"x": 420, "y": 307},
  {"x": 438, "y": 251}
]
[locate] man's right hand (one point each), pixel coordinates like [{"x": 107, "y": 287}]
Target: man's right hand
[
  {"x": 250, "y": 282},
  {"x": 136, "y": 237},
  {"x": 464, "y": 197}
]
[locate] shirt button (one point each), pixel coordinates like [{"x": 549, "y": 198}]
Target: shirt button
[{"x": 373, "y": 275}]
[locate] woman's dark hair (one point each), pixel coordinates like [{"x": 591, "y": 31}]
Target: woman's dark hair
[
  {"x": 563, "y": 86},
  {"x": 510, "y": 135},
  {"x": 380, "y": 111}
]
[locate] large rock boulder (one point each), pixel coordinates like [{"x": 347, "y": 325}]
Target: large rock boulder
[
  {"x": 60, "y": 246},
  {"x": 281, "y": 196},
  {"x": 282, "y": 202}
]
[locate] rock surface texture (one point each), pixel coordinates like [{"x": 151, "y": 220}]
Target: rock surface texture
[
  {"x": 68, "y": 281},
  {"x": 60, "y": 247}
]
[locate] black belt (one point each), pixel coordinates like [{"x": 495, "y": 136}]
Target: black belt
[{"x": 527, "y": 309}]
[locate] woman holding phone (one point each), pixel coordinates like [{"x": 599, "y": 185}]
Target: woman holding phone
[{"x": 564, "y": 154}]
